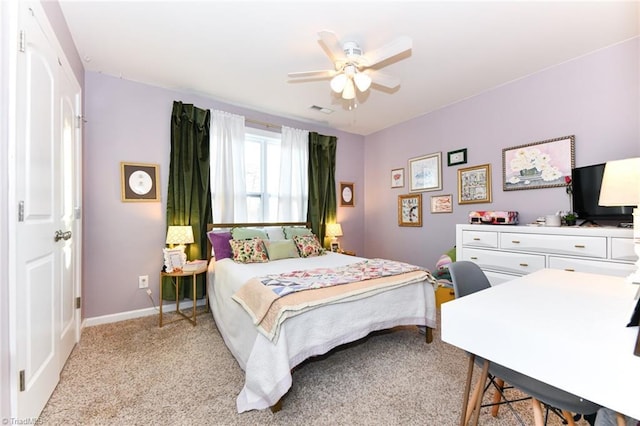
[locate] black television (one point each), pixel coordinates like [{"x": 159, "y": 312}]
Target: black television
[{"x": 586, "y": 182}]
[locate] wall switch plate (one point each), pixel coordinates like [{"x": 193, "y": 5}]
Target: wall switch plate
[{"x": 143, "y": 281}]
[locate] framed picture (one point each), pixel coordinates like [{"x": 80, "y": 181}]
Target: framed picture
[
  {"x": 174, "y": 259},
  {"x": 335, "y": 247},
  {"x": 425, "y": 173},
  {"x": 442, "y": 203},
  {"x": 139, "y": 182},
  {"x": 542, "y": 164},
  {"x": 410, "y": 210},
  {"x": 474, "y": 184},
  {"x": 457, "y": 157},
  {"x": 397, "y": 178},
  {"x": 347, "y": 194}
]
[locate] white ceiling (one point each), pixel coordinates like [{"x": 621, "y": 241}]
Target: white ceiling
[{"x": 240, "y": 52}]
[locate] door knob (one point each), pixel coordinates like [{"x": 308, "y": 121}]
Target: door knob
[{"x": 61, "y": 235}]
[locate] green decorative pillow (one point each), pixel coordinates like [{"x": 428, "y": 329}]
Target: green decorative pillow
[
  {"x": 292, "y": 231},
  {"x": 249, "y": 251},
  {"x": 452, "y": 254},
  {"x": 281, "y": 249},
  {"x": 308, "y": 245},
  {"x": 248, "y": 233}
]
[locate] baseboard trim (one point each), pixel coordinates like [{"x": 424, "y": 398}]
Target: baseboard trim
[{"x": 122, "y": 316}]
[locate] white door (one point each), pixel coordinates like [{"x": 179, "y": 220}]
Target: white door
[
  {"x": 69, "y": 202},
  {"x": 46, "y": 320}
]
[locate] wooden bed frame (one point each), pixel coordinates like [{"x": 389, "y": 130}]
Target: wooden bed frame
[{"x": 278, "y": 405}]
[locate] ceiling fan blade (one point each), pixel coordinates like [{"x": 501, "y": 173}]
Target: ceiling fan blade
[
  {"x": 396, "y": 47},
  {"x": 322, "y": 73},
  {"x": 331, "y": 45},
  {"x": 384, "y": 80}
]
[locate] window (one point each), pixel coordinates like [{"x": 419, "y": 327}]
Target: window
[{"x": 262, "y": 168}]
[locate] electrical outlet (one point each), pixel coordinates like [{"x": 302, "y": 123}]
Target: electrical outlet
[{"x": 143, "y": 281}]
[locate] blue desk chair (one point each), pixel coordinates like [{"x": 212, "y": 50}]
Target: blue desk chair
[{"x": 468, "y": 278}]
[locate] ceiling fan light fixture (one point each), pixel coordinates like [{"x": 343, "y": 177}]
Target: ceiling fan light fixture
[
  {"x": 363, "y": 81},
  {"x": 349, "y": 91},
  {"x": 338, "y": 82}
]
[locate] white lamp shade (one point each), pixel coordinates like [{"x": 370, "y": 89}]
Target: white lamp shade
[
  {"x": 363, "y": 81},
  {"x": 349, "y": 91},
  {"x": 334, "y": 230},
  {"x": 338, "y": 82},
  {"x": 621, "y": 183},
  {"x": 180, "y": 235}
]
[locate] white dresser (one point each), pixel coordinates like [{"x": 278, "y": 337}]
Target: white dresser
[{"x": 505, "y": 252}]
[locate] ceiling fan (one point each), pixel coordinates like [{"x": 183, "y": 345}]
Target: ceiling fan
[{"x": 353, "y": 68}]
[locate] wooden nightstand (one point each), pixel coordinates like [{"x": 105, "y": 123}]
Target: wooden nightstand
[
  {"x": 176, "y": 279},
  {"x": 348, "y": 252}
]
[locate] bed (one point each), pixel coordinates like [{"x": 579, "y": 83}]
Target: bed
[{"x": 268, "y": 359}]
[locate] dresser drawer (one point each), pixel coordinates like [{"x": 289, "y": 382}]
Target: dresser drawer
[
  {"x": 591, "y": 266},
  {"x": 622, "y": 249},
  {"x": 514, "y": 263},
  {"x": 572, "y": 245},
  {"x": 480, "y": 239}
]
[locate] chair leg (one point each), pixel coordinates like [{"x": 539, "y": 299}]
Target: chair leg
[
  {"x": 467, "y": 388},
  {"x": 537, "y": 412},
  {"x": 483, "y": 380},
  {"x": 497, "y": 396},
  {"x": 620, "y": 420},
  {"x": 568, "y": 417}
]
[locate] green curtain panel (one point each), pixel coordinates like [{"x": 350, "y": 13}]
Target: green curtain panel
[
  {"x": 189, "y": 194},
  {"x": 322, "y": 182}
]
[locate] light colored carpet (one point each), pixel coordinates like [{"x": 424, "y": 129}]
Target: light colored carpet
[{"x": 134, "y": 373}]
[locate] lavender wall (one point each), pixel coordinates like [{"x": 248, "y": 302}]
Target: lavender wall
[
  {"x": 128, "y": 121},
  {"x": 595, "y": 97}
]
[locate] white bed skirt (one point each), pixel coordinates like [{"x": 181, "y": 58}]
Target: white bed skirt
[{"x": 268, "y": 366}]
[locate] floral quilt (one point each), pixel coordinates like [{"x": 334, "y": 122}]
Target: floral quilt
[{"x": 290, "y": 282}]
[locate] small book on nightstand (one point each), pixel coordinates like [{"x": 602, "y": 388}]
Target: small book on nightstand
[{"x": 193, "y": 265}]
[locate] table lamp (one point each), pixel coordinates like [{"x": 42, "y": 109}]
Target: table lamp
[
  {"x": 621, "y": 187},
  {"x": 334, "y": 230},
  {"x": 179, "y": 235}
]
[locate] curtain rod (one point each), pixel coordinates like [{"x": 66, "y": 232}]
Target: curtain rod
[{"x": 263, "y": 123}]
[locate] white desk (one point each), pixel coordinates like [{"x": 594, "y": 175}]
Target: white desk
[{"x": 567, "y": 329}]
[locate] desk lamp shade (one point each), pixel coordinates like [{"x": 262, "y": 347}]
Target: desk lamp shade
[
  {"x": 179, "y": 235},
  {"x": 621, "y": 187},
  {"x": 334, "y": 230}
]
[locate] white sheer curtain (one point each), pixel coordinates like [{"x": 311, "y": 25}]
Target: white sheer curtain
[
  {"x": 228, "y": 187},
  {"x": 293, "y": 193}
]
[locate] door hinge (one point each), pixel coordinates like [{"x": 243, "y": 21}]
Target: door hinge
[
  {"x": 22, "y": 384},
  {"x": 22, "y": 41},
  {"x": 79, "y": 121},
  {"x": 78, "y": 302},
  {"x": 21, "y": 211}
]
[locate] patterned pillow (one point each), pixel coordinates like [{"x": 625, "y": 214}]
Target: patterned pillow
[
  {"x": 308, "y": 245},
  {"x": 249, "y": 251}
]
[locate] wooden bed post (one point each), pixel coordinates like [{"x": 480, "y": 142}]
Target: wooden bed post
[
  {"x": 277, "y": 406},
  {"x": 429, "y": 335}
]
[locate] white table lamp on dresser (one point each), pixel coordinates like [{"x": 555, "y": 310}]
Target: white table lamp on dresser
[{"x": 621, "y": 187}]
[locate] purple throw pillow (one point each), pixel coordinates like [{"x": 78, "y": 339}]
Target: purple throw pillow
[{"x": 220, "y": 244}]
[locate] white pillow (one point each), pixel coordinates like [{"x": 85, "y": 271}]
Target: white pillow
[{"x": 275, "y": 233}]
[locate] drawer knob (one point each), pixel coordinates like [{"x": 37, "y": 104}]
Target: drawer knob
[
  {"x": 476, "y": 239},
  {"x": 570, "y": 270},
  {"x": 474, "y": 258},
  {"x": 515, "y": 241},
  {"x": 524, "y": 264},
  {"x": 579, "y": 246}
]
